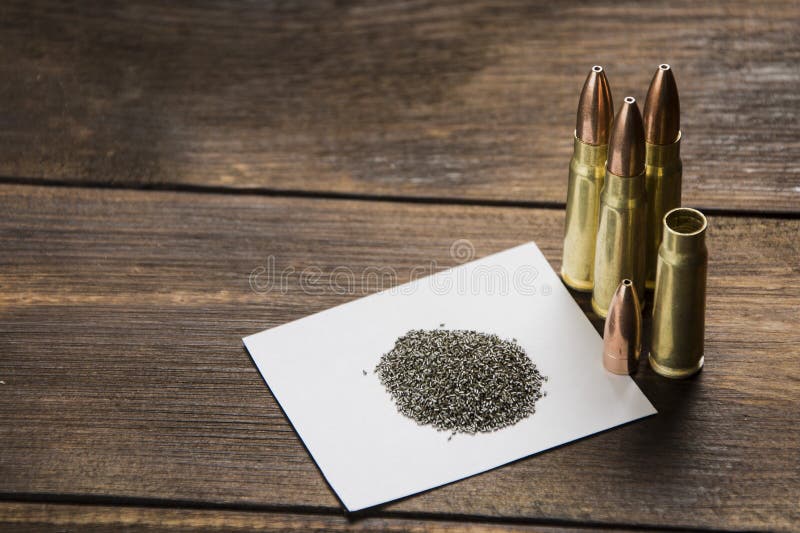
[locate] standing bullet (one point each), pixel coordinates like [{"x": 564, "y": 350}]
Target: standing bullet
[
  {"x": 620, "y": 248},
  {"x": 662, "y": 133},
  {"x": 622, "y": 337},
  {"x": 586, "y": 173}
]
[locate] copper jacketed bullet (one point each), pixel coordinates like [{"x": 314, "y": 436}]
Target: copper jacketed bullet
[
  {"x": 679, "y": 301},
  {"x": 622, "y": 337},
  {"x": 586, "y": 174},
  {"x": 663, "y": 174},
  {"x": 620, "y": 245}
]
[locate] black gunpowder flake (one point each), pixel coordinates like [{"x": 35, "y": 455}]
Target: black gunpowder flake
[{"x": 460, "y": 381}]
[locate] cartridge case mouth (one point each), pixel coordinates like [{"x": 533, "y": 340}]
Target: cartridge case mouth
[
  {"x": 663, "y": 155},
  {"x": 685, "y": 221},
  {"x": 589, "y": 145},
  {"x": 684, "y": 230},
  {"x": 675, "y": 140},
  {"x": 618, "y": 190}
]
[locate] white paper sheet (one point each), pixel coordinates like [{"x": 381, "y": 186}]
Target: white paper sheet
[{"x": 368, "y": 452}]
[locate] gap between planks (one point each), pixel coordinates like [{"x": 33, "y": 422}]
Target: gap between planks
[
  {"x": 332, "y": 195},
  {"x": 125, "y": 502}
]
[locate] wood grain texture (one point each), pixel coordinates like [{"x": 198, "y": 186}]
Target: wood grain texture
[
  {"x": 41, "y": 517},
  {"x": 460, "y": 99},
  {"x": 123, "y": 373}
]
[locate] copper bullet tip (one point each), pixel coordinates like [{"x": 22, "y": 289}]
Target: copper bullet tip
[
  {"x": 626, "y": 145},
  {"x": 622, "y": 335},
  {"x": 662, "y": 108},
  {"x": 595, "y": 109}
]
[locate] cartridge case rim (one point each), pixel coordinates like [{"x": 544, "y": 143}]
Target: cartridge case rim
[
  {"x": 598, "y": 309},
  {"x": 675, "y": 373},
  {"x": 577, "y": 285}
]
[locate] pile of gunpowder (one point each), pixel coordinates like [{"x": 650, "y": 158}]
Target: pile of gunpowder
[{"x": 460, "y": 381}]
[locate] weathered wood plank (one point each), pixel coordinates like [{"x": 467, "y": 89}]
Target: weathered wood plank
[
  {"x": 42, "y": 517},
  {"x": 123, "y": 372},
  {"x": 459, "y": 99}
]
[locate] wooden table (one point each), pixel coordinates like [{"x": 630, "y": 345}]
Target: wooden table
[{"x": 153, "y": 156}]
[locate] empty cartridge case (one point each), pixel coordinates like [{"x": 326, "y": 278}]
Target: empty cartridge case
[
  {"x": 622, "y": 336},
  {"x": 663, "y": 169},
  {"x": 586, "y": 173},
  {"x": 620, "y": 245},
  {"x": 679, "y": 305}
]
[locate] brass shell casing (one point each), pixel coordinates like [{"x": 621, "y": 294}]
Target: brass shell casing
[
  {"x": 679, "y": 305},
  {"x": 586, "y": 176},
  {"x": 663, "y": 176},
  {"x": 620, "y": 246}
]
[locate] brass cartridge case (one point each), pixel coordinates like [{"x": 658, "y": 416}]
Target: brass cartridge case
[
  {"x": 663, "y": 175},
  {"x": 620, "y": 247},
  {"x": 586, "y": 176},
  {"x": 679, "y": 305}
]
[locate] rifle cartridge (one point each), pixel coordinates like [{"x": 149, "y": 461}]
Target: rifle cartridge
[
  {"x": 620, "y": 244},
  {"x": 586, "y": 173},
  {"x": 663, "y": 169}
]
